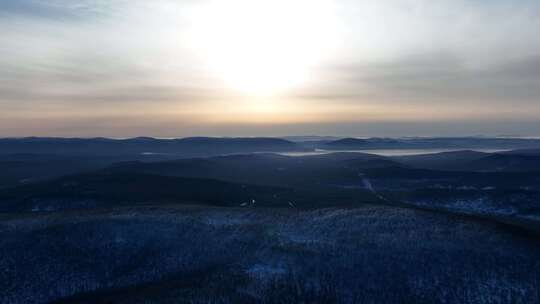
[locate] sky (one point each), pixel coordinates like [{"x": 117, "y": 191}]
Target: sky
[{"x": 163, "y": 68}]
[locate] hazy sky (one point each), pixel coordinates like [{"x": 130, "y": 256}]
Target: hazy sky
[{"x": 166, "y": 68}]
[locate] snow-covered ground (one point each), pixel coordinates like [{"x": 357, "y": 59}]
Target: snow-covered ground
[{"x": 372, "y": 253}]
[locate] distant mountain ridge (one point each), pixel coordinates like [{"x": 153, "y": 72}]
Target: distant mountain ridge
[
  {"x": 214, "y": 146},
  {"x": 462, "y": 143},
  {"x": 181, "y": 147},
  {"x": 359, "y": 142}
]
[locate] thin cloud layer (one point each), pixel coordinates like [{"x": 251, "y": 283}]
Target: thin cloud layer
[{"x": 406, "y": 65}]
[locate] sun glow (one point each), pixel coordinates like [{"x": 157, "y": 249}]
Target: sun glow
[{"x": 263, "y": 47}]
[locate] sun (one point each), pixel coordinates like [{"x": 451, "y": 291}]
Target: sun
[{"x": 263, "y": 47}]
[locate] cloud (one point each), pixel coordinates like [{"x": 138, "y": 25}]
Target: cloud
[
  {"x": 474, "y": 30},
  {"x": 57, "y": 10},
  {"x": 422, "y": 56},
  {"x": 439, "y": 77}
]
